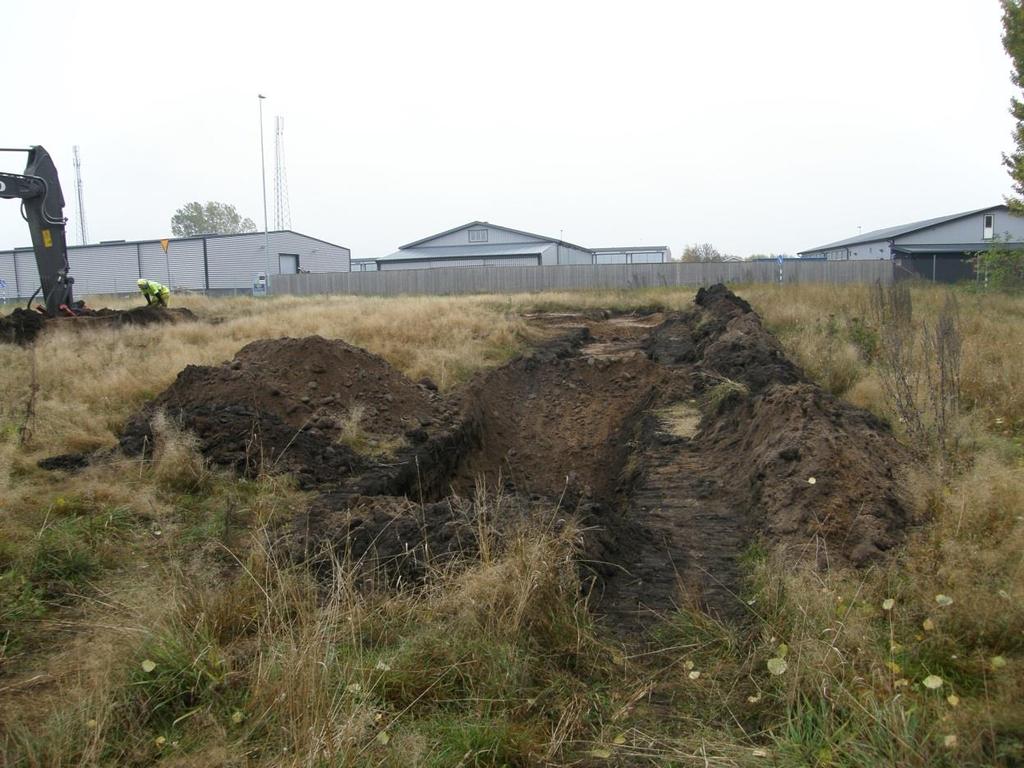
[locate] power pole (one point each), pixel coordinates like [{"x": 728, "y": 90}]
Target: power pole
[
  {"x": 263, "y": 180},
  {"x": 83, "y": 232},
  {"x": 282, "y": 209}
]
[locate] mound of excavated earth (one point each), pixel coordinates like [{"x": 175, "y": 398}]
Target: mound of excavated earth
[
  {"x": 291, "y": 404},
  {"x": 22, "y": 326},
  {"x": 680, "y": 440}
]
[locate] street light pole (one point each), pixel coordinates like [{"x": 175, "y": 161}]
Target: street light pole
[{"x": 263, "y": 178}]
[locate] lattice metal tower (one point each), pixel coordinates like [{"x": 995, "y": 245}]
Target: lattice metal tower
[
  {"x": 83, "y": 231},
  {"x": 282, "y": 209}
]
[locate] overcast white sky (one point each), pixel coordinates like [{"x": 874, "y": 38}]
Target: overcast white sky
[{"x": 757, "y": 126}]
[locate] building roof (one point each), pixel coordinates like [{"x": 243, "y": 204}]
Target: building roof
[
  {"x": 632, "y": 248},
  {"x": 483, "y": 250},
  {"x": 888, "y": 233},
  {"x": 494, "y": 226}
]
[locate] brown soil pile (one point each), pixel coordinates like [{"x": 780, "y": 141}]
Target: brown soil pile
[
  {"x": 146, "y": 315},
  {"x": 724, "y": 336},
  {"x": 298, "y": 405},
  {"x": 22, "y": 326},
  {"x": 612, "y": 421}
]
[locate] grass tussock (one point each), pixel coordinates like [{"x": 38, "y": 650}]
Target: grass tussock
[{"x": 491, "y": 662}]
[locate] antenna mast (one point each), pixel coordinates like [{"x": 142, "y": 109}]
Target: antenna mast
[
  {"x": 282, "y": 209},
  {"x": 83, "y": 232}
]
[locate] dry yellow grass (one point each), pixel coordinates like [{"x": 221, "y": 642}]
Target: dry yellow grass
[{"x": 497, "y": 661}]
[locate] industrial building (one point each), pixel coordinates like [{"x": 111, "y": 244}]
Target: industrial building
[
  {"x": 481, "y": 244},
  {"x": 940, "y": 248},
  {"x": 210, "y": 263}
]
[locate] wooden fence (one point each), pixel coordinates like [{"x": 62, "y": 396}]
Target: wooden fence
[{"x": 455, "y": 280}]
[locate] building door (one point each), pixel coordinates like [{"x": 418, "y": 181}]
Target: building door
[{"x": 289, "y": 263}]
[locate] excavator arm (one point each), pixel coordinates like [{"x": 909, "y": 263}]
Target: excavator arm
[{"x": 43, "y": 208}]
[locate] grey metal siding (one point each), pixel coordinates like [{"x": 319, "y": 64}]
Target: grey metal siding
[
  {"x": 493, "y": 261},
  {"x": 314, "y": 255},
  {"x": 966, "y": 230},
  {"x": 185, "y": 258},
  {"x": 879, "y": 249},
  {"x": 494, "y": 235},
  {"x": 104, "y": 269},
  {"x": 28, "y": 273},
  {"x": 574, "y": 256},
  {"x": 567, "y": 255},
  {"x": 647, "y": 257},
  {"x": 235, "y": 260},
  {"x": 637, "y": 255},
  {"x": 8, "y": 275}
]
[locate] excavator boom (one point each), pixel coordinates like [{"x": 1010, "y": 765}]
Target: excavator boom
[{"x": 43, "y": 208}]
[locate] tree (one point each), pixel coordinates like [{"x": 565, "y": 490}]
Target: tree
[
  {"x": 1001, "y": 266},
  {"x": 703, "y": 252},
  {"x": 211, "y": 219},
  {"x": 1013, "y": 42}
]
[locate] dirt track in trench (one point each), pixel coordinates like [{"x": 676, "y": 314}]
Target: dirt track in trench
[{"x": 616, "y": 419}]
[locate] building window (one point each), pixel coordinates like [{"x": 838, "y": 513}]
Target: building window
[
  {"x": 989, "y": 227},
  {"x": 478, "y": 235}
]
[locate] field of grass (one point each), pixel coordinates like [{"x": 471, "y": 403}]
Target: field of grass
[{"x": 143, "y": 620}]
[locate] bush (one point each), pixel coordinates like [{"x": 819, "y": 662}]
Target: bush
[{"x": 1002, "y": 267}]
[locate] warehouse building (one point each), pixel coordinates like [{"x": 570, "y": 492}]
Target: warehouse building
[
  {"x": 210, "y": 263},
  {"x": 481, "y": 244},
  {"x": 941, "y": 249}
]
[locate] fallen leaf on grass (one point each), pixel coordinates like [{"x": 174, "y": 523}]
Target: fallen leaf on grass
[{"x": 932, "y": 682}]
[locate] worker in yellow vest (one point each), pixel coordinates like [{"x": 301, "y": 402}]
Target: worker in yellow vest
[{"x": 154, "y": 292}]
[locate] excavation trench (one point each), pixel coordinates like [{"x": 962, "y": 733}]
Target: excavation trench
[{"x": 678, "y": 440}]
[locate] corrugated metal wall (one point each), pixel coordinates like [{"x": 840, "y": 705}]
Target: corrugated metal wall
[
  {"x": 497, "y": 261},
  {"x": 28, "y": 275},
  {"x": 494, "y": 235},
  {"x": 566, "y": 255},
  {"x": 233, "y": 261},
  {"x": 9, "y": 289},
  {"x": 110, "y": 268},
  {"x": 457, "y": 280},
  {"x": 185, "y": 259}
]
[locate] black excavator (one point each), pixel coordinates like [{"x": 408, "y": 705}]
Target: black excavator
[{"x": 42, "y": 206}]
